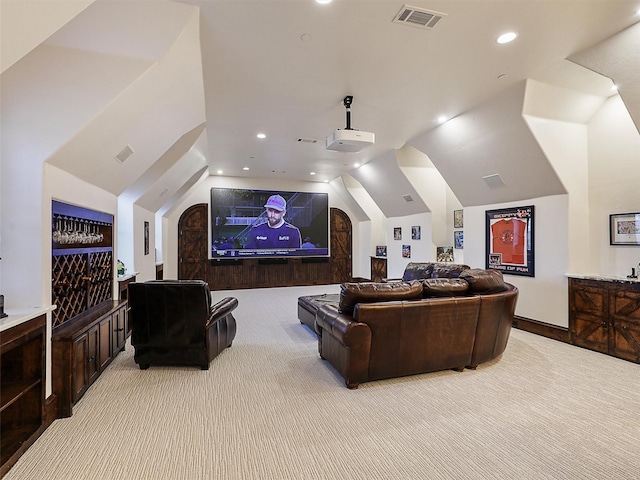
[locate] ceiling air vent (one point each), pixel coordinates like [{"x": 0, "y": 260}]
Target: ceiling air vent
[
  {"x": 124, "y": 154},
  {"x": 418, "y": 17},
  {"x": 407, "y": 198}
]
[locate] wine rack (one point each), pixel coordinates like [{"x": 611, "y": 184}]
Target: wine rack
[{"x": 80, "y": 281}]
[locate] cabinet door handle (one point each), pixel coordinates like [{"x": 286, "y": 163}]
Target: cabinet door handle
[{"x": 118, "y": 330}]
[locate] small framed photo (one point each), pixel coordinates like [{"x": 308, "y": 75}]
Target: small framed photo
[
  {"x": 397, "y": 233},
  {"x": 381, "y": 251},
  {"x": 624, "y": 229},
  {"x": 458, "y": 239},
  {"x": 406, "y": 251},
  {"x": 444, "y": 254},
  {"x": 458, "y": 219}
]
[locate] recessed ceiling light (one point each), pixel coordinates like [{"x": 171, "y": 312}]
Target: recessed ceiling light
[
  {"x": 507, "y": 37},
  {"x": 442, "y": 119},
  {"x": 245, "y": 168},
  {"x": 261, "y": 135},
  {"x": 323, "y": 2},
  {"x": 312, "y": 173},
  {"x": 356, "y": 164},
  {"x": 219, "y": 172}
]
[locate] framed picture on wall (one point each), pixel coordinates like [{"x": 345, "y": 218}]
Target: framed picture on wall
[
  {"x": 406, "y": 251},
  {"x": 146, "y": 238},
  {"x": 458, "y": 239},
  {"x": 381, "y": 251},
  {"x": 415, "y": 232},
  {"x": 510, "y": 240},
  {"x": 458, "y": 219},
  {"x": 624, "y": 229},
  {"x": 397, "y": 233},
  {"x": 444, "y": 254}
]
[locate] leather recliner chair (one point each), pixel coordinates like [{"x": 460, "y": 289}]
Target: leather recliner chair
[{"x": 174, "y": 323}]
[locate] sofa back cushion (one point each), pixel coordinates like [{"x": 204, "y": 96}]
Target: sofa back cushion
[
  {"x": 368, "y": 292},
  {"x": 484, "y": 281},
  {"x": 447, "y": 270},
  {"x": 444, "y": 287},
  {"x": 417, "y": 271}
]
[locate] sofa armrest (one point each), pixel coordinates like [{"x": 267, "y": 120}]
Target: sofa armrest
[
  {"x": 222, "y": 309},
  {"x": 340, "y": 325},
  {"x": 220, "y": 328},
  {"x": 344, "y": 343}
]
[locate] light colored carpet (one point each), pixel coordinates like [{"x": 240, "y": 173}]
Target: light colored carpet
[{"x": 270, "y": 408}]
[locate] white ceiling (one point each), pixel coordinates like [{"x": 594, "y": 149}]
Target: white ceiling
[
  {"x": 189, "y": 83},
  {"x": 261, "y": 75}
]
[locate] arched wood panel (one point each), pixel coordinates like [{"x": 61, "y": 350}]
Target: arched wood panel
[
  {"x": 192, "y": 243},
  {"x": 341, "y": 246}
]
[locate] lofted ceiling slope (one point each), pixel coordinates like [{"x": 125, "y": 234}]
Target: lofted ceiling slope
[
  {"x": 119, "y": 75},
  {"x": 388, "y": 186},
  {"x": 488, "y": 155},
  {"x": 618, "y": 58},
  {"x": 170, "y": 171}
]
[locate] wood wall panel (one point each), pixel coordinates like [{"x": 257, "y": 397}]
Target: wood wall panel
[{"x": 255, "y": 273}]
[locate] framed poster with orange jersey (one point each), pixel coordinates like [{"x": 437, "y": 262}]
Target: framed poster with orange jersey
[{"x": 510, "y": 240}]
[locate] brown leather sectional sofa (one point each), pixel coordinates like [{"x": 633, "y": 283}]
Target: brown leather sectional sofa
[{"x": 386, "y": 330}]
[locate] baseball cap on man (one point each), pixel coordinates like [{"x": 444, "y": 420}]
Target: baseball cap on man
[{"x": 276, "y": 202}]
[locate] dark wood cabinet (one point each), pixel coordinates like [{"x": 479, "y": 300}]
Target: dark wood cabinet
[
  {"x": 119, "y": 328},
  {"x": 83, "y": 348},
  {"x": 21, "y": 388},
  {"x": 605, "y": 316}
]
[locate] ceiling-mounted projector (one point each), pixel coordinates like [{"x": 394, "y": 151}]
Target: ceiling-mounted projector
[{"x": 349, "y": 140}]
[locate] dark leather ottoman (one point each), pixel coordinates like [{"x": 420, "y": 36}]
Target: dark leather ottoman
[{"x": 309, "y": 305}]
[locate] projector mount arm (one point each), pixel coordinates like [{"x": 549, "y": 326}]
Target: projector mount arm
[{"x": 347, "y": 103}]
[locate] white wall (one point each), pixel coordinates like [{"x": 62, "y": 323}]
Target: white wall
[
  {"x": 565, "y": 145},
  {"x": 422, "y": 250},
  {"x": 614, "y": 185},
  {"x": 371, "y": 233},
  {"x": 126, "y": 253},
  {"x": 543, "y": 297},
  {"x": 145, "y": 265}
]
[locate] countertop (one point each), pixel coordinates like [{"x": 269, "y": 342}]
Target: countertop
[
  {"x": 18, "y": 316},
  {"x": 604, "y": 278}
]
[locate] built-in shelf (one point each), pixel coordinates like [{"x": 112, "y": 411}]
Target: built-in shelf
[{"x": 22, "y": 352}]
